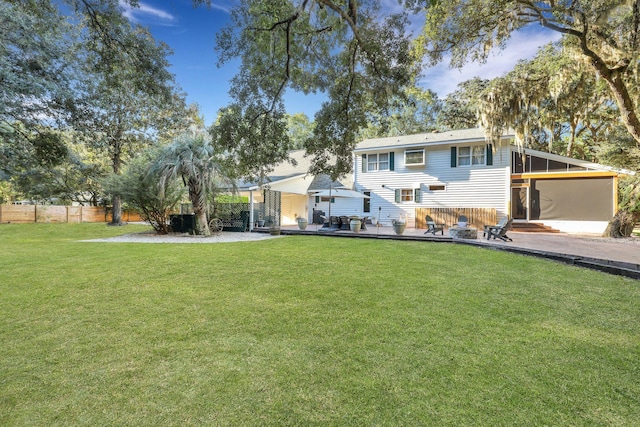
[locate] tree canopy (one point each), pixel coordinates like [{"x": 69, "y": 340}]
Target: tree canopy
[
  {"x": 351, "y": 51},
  {"x": 606, "y": 34},
  {"x": 81, "y": 88}
]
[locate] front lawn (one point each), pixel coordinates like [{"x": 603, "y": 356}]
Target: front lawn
[{"x": 306, "y": 330}]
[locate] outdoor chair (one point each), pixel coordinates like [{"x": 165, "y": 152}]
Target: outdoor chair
[
  {"x": 500, "y": 224},
  {"x": 325, "y": 221},
  {"x": 344, "y": 223},
  {"x": 500, "y": 232},
  {"x": 433, "y": 227},
  {"x": 463, "y": 221}
]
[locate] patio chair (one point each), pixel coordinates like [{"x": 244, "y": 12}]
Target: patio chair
[
  {"x": 463, "y": 221},
  {"x": 344, "y": 223},
  {"x": 433, "y": 227},
  {"x": 325, "y": 221},
  {"x": 501, "y": 223},
  {"x": 500, "y": 232}
]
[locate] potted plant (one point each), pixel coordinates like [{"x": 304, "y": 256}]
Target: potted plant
[
  {"x": 355, "y": 224},
  {"x": 302, "y": 222},
  {"x": 274, "y": 230},
  {"x": 398, "y": 225}
]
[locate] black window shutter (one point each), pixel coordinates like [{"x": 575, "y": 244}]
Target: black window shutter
[
  {"x": 489, "y": 154},
  {"x": 416, "y": 195},
  {"x": 364, "y": 163},
  {"x": 391, "y": 161},
  {"x": 397, "y": 195},
  {"x": 454, "y": 157}
]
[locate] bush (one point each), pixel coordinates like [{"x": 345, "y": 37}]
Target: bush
[
  {"x": 625, "y": 219},
  {"x": 139, "y": 187}
]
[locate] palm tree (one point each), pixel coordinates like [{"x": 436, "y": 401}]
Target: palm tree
[{"x": 191, "y": 158}]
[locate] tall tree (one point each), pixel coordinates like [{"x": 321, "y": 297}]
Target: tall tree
[
  {"x": 128, "y": 96},
  {"x": 37, "y": 51},
  {"x": 348, "y": 50},
  {"x": 299, "y": 128},
  {"x": 191, "y": 158},
  {"x": 37, "y": 47},
  {"x": 460, "y": 108},
  {"x": 414, "y": 112},
  {"x": 605, "y": 32},
  {"x": 551, "y": 101}
]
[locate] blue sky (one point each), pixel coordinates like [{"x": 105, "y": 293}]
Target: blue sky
[{"x": 190, "y": 32}]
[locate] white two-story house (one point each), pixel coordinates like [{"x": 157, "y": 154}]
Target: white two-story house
[{"x": 458, "y": 173}]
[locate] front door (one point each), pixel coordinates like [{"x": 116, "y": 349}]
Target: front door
[{"x": 519, "y": 203}]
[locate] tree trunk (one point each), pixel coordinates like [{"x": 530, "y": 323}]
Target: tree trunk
[
  {"x": 117, "y": 201},
  {"x": 198, "y": 200},
  {"x": 614, "y": 78},
  {"x": 116, "y": 214},
  {"x": 625, "y": 104},
  {"x": 202, "y": 228}
]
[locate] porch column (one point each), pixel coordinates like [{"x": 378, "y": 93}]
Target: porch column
[{"x": 250, "y": 210}]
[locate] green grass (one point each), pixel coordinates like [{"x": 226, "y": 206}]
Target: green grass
[{"x": 305, "y": 330}]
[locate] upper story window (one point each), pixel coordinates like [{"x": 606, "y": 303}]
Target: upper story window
[
  {"x": 377, "y": 162},
  {"x": 414, "y": 158},
  {"x": 473, "y": 155}
]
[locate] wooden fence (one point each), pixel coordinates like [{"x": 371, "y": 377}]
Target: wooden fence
[
  {"x": 28, "y": 214},
  {"x": 478, "y": 217}
]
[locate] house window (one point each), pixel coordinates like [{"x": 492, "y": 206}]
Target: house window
[
  {"x": 474, "y": 155},
  {"x": 436, "y": 188},
  {"x": 414, "y": 157},
  {"x": 407, "y": 195},
  {"x": 378, "y": 162}
]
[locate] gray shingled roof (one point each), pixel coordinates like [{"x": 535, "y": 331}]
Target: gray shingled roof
[
  {"x": 464, "y": 135},
  {"x": 286, "y": 170}
]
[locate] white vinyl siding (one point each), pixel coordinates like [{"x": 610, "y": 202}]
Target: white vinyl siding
[
  {"x": 485, "y": 186},
  {"x": 471, "y": 186}
]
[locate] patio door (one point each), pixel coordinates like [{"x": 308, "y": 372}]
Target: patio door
[{"x": 520, "y": 203}]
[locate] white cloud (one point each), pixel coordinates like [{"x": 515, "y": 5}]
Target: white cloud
[
  {"x": 522, "y": 45},
  {"x": 146, "y": 12}
]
